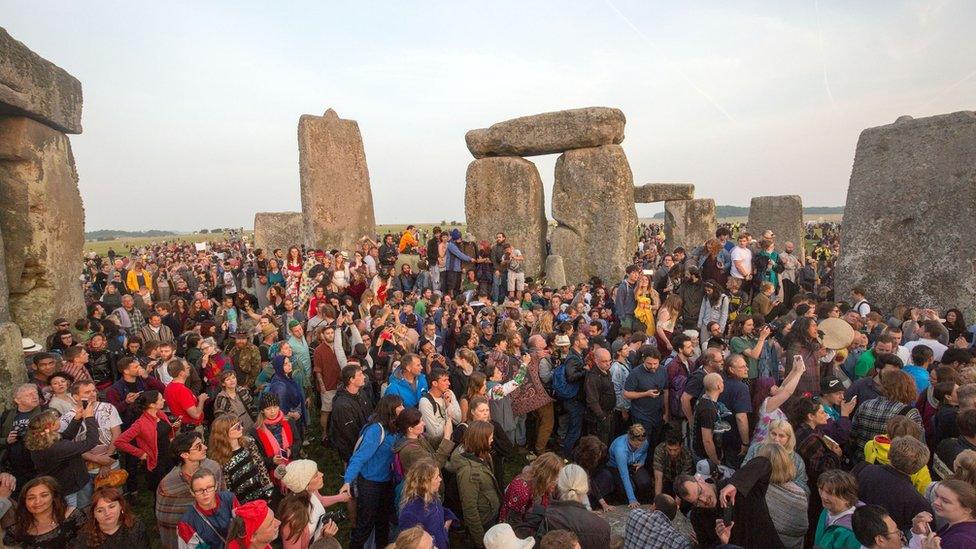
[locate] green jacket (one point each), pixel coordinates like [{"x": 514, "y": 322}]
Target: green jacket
[
  {"x": 836, "y": 536},
  {"x": 864, "y": 364},
  {"x": 479, "y": 493}
]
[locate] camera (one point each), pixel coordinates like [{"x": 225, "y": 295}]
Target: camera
[{"x": 335, "y": 516}]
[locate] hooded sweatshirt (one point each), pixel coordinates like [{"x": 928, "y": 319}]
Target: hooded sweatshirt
[{"x": 876, "y": 451}]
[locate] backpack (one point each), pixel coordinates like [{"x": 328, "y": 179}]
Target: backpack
[
  {"x": 676, "y": 384},
  {"x": 561, "y": 386}
]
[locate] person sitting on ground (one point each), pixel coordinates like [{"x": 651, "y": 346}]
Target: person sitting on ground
[
  {"x": 654, "y": 527},
  {"x": 569, "y": 513},
  {"x": 628, "y": 457}
]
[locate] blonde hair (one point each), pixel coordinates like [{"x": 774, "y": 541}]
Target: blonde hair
[
  {"x": 544, "y": 323},
  {"x": 784, "y": 426},
  {"x": 417, "y": 483},
  {"x": 784, "y": 470},
  {"x": 572, "y": 483}
]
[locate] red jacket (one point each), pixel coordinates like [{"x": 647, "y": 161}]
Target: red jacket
[{"x": 144, "y": 433}]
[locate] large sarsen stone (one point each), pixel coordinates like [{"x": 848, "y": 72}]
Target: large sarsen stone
[
  {"x": 548, "y": 133},
  {"x": 505, "y": 194},
  {"x": 278, "y": 230},
  {"x": 908, "y": 231},
  {"x": 43, "y": 225},
  {"x": 336, "y": 196},
  {"x": 593, "y": 204},
  {"x": 34, "y": 87},
  {"x": 662, "y": 192},
  {"x": 781, "y": 214},
  {"x": 688, "y": 223}
]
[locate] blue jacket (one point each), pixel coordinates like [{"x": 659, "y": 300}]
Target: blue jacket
[
  {"x": 624, "y": 301},
  {"x": 411, "y": 396},
  {"x": 374, "y": 456},
  {"x": 622, "y": 456},
  {"x": 454, "y": 257}
]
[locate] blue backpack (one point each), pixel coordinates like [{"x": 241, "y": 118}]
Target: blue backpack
[{"x": 561, "y": 386}]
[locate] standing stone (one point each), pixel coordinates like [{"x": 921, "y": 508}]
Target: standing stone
[
  {"x": 662, "y": 192},
  {"x": 43, "y": 224},
  {"x": 336, "y": 198},
  {"x": 781, "y": 214},
  {"x": 688, "y": 223},
  {"x": 12, "y": 371},
  {"x": 593, "y": 204},
  {"x": 504, "y": 194},
  {"x": 555, "y": 271},
  {"x": 910, "y": 217},
  {"x": 4, "y": 288},
  {"x": 34, "y": 87},
  {"x": 549, "y": 133},
  {"x": 278, "y": 230}
]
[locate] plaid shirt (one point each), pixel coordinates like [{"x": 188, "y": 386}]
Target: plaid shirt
[
  {"x": 646, "y": 528},
  {"x": 871, "y": 419}
]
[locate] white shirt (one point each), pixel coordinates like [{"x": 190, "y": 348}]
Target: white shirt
[
  {"x": 435, "y": 419},
  {"x": 741, "y": 254},
  {"x": 937, "y": 348}
]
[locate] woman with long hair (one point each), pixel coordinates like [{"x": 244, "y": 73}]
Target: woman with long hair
[
  {"x": 152, "y": 432},
  {"x": 714, "y": 307},
  {"x": 234, "y": 401},
  {"x": 113, "y": 523},
  {"x": 533, "y": 486},
  {"x": 786, "y": 500},
  {"x": 278, "y": 435},
  {"x": 955, "y": 323},
  {"x": 804, "y": 340},
  {"x": 711, "y": 265},
  {"x": 648, "y": 302},
  {"x": 478, "y": 486},
  {"x": 43, "y": 519},
  {"x": 291, "y": 398},
  {"x": 293, "y": 271},
  {"x": 58, "y": 454},
  {"x": 420, "y": 503},
  {"x": 60, "y": 397},
  {"x": 275, "y": 276},
  {"x": 241, "y": 460},
  {"x": 667, "y": 319},
  {"x": 414, "y": 445}
]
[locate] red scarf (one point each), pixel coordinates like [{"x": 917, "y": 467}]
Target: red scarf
[{"x": 268, "y": 441}]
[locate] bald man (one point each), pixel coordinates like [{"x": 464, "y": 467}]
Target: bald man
[{"x": 600, "y": 396}]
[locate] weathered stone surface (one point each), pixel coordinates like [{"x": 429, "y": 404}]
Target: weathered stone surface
[
  {"x": 34, "y": 87},
  {"x": 555, "y": 271},
  {"x": 593, "y": 204},
  {"x": 548, "y": 133},
  {"x": 278, "y": 230},
  {"x": 781, "y": 214},
  {"x": 336, "y": 198},
  {"x": 910, "y": 217},
  {"x": 12, "y": 371},
  {"x": 688, "y": 223},
  {"x": 43, "y": 224},
  {"x": 661, "y": 192},
  {"x": 505, "y": 194},
  {"x": 4, "y": 288}
]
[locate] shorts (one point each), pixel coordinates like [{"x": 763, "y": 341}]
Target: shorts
[
  {"x": 516, "y": 282},
  {"x": 327, "y": 397}
]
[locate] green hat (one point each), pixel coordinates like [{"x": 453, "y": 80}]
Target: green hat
[{"x": 293, "y": 323}]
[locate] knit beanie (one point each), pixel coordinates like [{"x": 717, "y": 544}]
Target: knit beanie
[
  {"x": 252, "y": 514},
  {"x": 298, "y": 474}
]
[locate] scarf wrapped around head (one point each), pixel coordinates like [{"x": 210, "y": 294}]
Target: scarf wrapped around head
[
  {"x": 252, "y": 514},
  {"x": 287, "y": 390}
]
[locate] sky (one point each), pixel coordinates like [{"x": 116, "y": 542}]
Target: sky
[{"x": 191, "y": 108}]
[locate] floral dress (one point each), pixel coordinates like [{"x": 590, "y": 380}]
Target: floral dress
[{"x": 645, "y": 315}]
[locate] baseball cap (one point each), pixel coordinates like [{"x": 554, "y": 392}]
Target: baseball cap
[
  {"x": 617, "y": 345},
  {"x": 830, "y": 384}
]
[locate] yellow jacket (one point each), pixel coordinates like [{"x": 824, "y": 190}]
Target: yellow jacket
[
  {"x": 408, "y": 240},
  {"x": 132, "y": 281},
  {"x": 876, "y": 451}
]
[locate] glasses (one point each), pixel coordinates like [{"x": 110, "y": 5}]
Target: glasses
[
  {"x": 205, "y": 491},
  {"x": 901, "y": 534},
  {"x": 639, "y": 437},
  {"x": 199, "y": 446}
]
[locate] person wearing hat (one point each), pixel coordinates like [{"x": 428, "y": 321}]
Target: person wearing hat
[
  {"x": 254, "y": 526},
  {"x": 501, "y": 536},
  {"x": 452, "y": 264},
  {"x": 246, "y": 358},
  {"x": 303, "y": 479}
]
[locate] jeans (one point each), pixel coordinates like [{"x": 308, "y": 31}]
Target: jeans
[
  {"x": 574, "y": 427},
  {"x": 496, "y": 287},
  {"x": 435, "y": 277},
  {"x": 374, "y": 509},
  {"x": 520, "y": 430}
]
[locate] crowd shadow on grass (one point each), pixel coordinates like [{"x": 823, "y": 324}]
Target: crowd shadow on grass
[{"x": 331, "y": 467}]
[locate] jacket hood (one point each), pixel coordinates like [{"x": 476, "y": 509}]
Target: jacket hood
[{"x": 879, "y": 449}]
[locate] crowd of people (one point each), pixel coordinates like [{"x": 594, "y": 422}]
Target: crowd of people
[{"x": 724, "y": 394}]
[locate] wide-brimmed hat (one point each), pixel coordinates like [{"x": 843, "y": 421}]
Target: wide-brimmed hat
[
  {"x": 502, "y": 536},
  {"x": 837, "y": 333},
  {"x": 30, "y": 346}
]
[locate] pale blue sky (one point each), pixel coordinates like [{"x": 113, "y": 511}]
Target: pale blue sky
[{"x": 191, "y": 108}]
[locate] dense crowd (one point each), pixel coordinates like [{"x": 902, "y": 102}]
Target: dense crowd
[{"x": 723, "y": 393}]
